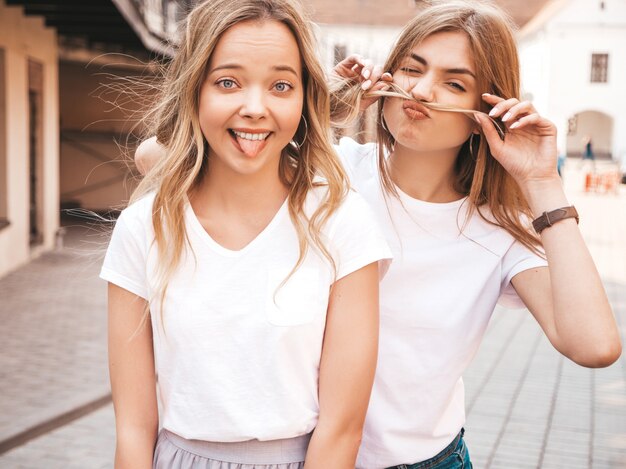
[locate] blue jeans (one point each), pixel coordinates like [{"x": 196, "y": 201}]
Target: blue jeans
[{"x": 454, "y": 456}]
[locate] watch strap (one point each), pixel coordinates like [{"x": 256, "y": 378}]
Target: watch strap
[{"x": 547, "y": 219}]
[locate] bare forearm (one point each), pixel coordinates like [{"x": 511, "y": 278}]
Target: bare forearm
[
  {"x": 333, "y": 448},
  {"x": 133, "y": 382},
  {"x": 584, "y": 325},
  {"x": 135, "y": 448}
]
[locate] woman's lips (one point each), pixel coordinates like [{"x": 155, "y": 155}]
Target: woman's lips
[
  {"x": 415, "y": 110},
  {"x": 249, "y": 142}
]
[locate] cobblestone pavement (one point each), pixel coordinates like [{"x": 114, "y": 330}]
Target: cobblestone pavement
[{"x": 527, "y": 406}]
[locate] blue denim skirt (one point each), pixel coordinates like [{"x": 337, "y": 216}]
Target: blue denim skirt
[{"x": 453, "y": 456}]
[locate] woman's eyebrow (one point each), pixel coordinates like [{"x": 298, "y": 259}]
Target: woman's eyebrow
[
  {"x": 226, "y": 66},
  {"x": 419, "y": 59},
  {"x": 285, "y": 68},
  {"x": 454, "y": 71},
  {"x": 233, "y": 66}
]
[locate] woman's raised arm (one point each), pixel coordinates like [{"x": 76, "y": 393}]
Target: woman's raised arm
[{"x": 567, "y": 298}]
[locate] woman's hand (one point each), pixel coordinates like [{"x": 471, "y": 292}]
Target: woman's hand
[
  {"x": 528, "y": 151},
  {"x": 369, "y": 75},
  {"x": 147, "y": 154}
]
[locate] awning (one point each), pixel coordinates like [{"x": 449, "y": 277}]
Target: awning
[{"x": 111, "y": 22}]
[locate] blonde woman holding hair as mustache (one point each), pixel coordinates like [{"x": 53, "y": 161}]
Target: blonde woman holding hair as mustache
[
  {"x": 244, "y": 272},
  {"x": 455, "y": 201}
]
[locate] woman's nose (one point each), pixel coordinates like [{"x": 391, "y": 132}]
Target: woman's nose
[
  {"x": 253, "y": 105},
  {"x": 422, "y": 89}
]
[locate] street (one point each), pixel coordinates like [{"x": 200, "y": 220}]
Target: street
[{"x": 527, "y": 406}]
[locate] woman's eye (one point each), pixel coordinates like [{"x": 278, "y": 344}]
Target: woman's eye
[
  {"x": 410, "y": 70},
  {"x": 456, "y": 86},
  {"x": 282, "y": 86},
  {"x": 227, "y": 84}
]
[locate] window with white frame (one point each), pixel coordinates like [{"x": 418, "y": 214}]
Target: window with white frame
[
  {"x": 341, "y": 52},
  {"x": 599, "y": 68}
]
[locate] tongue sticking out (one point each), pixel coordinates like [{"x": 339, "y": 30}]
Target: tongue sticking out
[{"x": 251, "y": 147}]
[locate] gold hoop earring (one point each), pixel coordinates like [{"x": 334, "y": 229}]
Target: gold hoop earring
[
  {"x": 384, "y": 125},
  {"x": 471, "y": 145},
  {"x": 306, "y": 134}
]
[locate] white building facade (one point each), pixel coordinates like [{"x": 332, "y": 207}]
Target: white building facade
[
  {"x": 573, "y": 58},
  {"x": 29, "y": 137},
  {"x": 58, "y": 141}
]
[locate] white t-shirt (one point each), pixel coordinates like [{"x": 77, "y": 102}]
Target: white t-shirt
[
  {"x": 239, "y": 358},
  {"x": 435, "y": 302}
]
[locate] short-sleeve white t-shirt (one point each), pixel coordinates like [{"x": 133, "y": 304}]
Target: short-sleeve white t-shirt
[
  {"x": 238, "y": 357},
  {"x": 435, "y": 302}
]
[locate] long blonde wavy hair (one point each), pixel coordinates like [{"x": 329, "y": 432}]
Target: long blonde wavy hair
[
  {"x": 478, "y": 175},
  {"x": 175, "y": 122}
]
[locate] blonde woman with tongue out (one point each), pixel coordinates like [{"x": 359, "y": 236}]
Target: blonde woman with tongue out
[{"x": 244, "y": 272}]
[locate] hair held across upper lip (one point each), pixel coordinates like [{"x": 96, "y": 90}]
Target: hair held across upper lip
[{"x": 416, "y": 106}]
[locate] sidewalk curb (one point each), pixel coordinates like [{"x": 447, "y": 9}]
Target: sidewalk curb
[{"x": 53, "y": 423}]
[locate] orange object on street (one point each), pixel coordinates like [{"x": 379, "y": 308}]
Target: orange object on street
[{"x": 588, "y": 181}]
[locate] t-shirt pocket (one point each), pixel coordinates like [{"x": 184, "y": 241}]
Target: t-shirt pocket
[{"x": 298, "y": 301}]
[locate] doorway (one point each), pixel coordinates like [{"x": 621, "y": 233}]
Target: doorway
[{"x": 35, "y": 153}]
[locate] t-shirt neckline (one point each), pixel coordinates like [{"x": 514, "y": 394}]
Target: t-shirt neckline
[
  {"x": 217, "y": 247},
  {"x": 411, "y": 202}
]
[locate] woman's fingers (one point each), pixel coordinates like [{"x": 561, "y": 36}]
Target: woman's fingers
[
  {"x": 376, "y": 75},
  {"x": 367, "y": 74},
  {"x": 541, "y": 126},
  {"x": 517, "y": 111},
  {"x": 509, "y": 110},
  {"x": 492, "y": 99},
  {"x": 350, "y": 67},
  {"x": 500, "y": 106},
  {"x": 368, "y": 99},
  {"x": 490, "y": 132},
  {"x": 353, "y": 59},
  {"x": 380, "y": 86},
  {"x": 503, "y": 107},
  {"x": 379, "y": 80},
  {"x": 368, "y": 67},
  {"x": 519, "y": 115},
  {"x": 525, "y": 121},
  {"x": 364, "y": 70}
]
